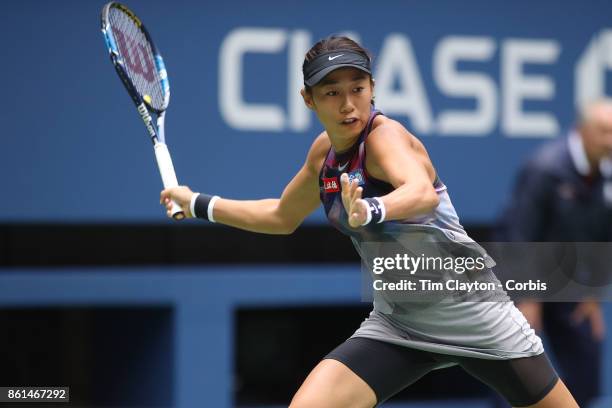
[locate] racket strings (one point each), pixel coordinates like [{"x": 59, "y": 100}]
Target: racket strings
[{"x": 139, "y": 60}]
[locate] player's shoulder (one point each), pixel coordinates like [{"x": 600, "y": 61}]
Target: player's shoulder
[
  {"x": 321, "y": 142},
  {"x": 320, "y": 146},
  {"x": 318, "y": 151},
  {"x": 389, "y": 132},
  {"x": 382, "y": 123}
]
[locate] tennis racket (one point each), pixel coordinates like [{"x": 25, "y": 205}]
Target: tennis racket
[{"x": 142, "y": 71}]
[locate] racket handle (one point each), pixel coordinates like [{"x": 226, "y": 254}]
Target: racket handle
[{"x": 166, "y": 170}]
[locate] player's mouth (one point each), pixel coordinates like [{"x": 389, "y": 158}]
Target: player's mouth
[{"x": 349, "y": 121}]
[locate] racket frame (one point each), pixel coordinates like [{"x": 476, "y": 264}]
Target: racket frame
[{"x": 155, "y": 129}]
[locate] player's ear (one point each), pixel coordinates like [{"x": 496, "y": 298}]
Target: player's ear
[{"x": 307, "y": 96}]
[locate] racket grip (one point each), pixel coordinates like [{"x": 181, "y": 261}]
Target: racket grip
[{"x": 166, "y": 170}]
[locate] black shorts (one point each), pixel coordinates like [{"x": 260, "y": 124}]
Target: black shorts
[{"x": 388, "y": 368}]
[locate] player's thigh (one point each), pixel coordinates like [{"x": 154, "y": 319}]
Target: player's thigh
[
  {"x": 362, "y": 372},
  {"x": 523, "y": 382},
  {"x": 331, "y": 384}
]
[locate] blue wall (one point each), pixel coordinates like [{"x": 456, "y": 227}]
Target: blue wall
[{"x": 481, "y": 82}]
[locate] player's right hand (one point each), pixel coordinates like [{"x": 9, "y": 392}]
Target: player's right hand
[
  {"x": 355, "y": 206},
  {"x": 181, "y": 195}
]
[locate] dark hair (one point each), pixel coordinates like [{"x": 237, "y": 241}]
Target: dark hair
[{"x": 333, "y": 43}]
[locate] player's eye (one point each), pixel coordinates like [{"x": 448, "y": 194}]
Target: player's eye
[
  {"x": 331, "y": 93},
  {"x": 358, "y": 89}
]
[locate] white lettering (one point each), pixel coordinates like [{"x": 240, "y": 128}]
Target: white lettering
[
  {"x": 236, "y": 112},
  {"x": 397, "y": 62},
  {"x": 519, "y": 87},
  {"x": 449, "y": 51},
  {"x": 591, "y": 69},
  {"x": 377, "y": 269},
  {"x": 299, "y": 115},
  {"x": 146, "y": 118},
  {"x": 401, "y": 91}
]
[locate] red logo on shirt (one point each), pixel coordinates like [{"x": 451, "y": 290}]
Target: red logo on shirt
[{"x": 331, "y": 185}]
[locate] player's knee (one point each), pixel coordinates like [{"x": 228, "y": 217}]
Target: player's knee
[
  {"x": 300, "y": 401},
  {"x": 305, "y": 400},
  {"x": 310, "y": 400}
]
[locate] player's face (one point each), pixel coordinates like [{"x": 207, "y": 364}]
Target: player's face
[
  {"x": 597, "y": 133},
  {"x": 342, "y": 102}
]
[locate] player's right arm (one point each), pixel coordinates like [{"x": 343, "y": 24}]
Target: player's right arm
[{"x": 270, "y": 216}]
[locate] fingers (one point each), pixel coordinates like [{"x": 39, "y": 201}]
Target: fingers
[
  {"x": 352, "y": 189},
  {"x": 344, "y": 180},
  {"x": 181, "y": 195},
  {"x": 168, "y": 194},
  {"x": 344, "y": 183},
  {"x": 355, "y": 192},
  {"x": 165, "y": 193},
  {"x": 352, "y": 200},
  {"x": 356, "y": 195},
  {"x": 165, "y": 198},
  {"x": 359, "y": 211},
  {"x": 345, "y": 192},
  {"x": 166, "y": 201},
  {"x": 354, "y": 220},
  {"x": 349, "y": 189}
]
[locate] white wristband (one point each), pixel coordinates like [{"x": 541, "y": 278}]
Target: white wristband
[
  {"x": 375, "y": 210},
  {"x": 211, "y": 205},
  {"x": 383, "y": 210},
  {"x": 368, "y": 215}
]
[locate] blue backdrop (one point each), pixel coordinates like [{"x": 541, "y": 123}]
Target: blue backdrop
[{"x": 480, "y": 82}]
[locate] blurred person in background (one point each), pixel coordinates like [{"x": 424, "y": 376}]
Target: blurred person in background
[{"x": 563, "y": 193}]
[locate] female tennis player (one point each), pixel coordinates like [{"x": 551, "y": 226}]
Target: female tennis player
[{"x": 377, "y": 183}]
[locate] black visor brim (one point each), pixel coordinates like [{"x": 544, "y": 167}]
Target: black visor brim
[{"x": 316, "y": 78}]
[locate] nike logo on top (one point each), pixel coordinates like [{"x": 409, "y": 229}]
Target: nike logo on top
[
  {"x": 334, "y": 57},
  {"x": 342, "y": 167}
]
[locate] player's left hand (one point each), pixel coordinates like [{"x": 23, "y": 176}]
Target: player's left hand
[
  {"x": 590, "y": 310},
  {"x": 355, "y": 206}
]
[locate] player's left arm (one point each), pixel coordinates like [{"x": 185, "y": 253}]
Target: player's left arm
[{"x": 395, "y": 156}]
